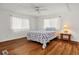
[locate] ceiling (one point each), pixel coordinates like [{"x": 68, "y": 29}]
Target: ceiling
[{"x": 42, "y": 9}]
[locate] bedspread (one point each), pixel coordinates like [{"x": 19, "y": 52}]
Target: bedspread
[{"x": 41, "y": 36}]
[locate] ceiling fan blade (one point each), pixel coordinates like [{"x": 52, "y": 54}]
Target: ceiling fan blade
[{"x": 68, "y": 7}]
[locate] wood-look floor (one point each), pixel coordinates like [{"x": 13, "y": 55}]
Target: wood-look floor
[{"x": 54, "y": 47}]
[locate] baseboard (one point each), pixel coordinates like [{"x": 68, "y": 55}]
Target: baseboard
[{"x": 12, "y": 39}]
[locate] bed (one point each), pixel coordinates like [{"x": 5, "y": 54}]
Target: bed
[{"x": 42, "y": 36}]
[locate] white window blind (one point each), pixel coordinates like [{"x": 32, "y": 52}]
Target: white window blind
[
  {"x": 19, "y": 24},
  {"x": 51, "y": 23}
]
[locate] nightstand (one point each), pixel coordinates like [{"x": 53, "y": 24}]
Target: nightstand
[{"x": 64, "y": 36}]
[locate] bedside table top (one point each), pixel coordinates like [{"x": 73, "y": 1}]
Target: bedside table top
[{"x": 65, "y": 33}]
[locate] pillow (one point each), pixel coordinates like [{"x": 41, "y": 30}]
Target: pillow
[{"x": 51, "y": 29}]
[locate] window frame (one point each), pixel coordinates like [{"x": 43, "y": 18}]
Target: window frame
[
  {"x": 19, "y": 29},
  {"x": 57, "y": 26}
]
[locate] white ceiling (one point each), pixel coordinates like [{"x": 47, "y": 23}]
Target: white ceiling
[{"x": 45, "y": 8}]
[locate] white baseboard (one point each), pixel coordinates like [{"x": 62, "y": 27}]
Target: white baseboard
[{"x": 3, "y": 40}]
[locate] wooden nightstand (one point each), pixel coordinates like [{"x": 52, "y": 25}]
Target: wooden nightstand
[{"x": 64, "y": 36}]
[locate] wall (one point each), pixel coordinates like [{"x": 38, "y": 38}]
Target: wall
[
  {"x": 5, "y": 26},
  {"x": 72, "y": 19}
]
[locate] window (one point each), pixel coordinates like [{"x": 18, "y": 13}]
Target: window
[
  {"x": 51, "y": 23},
  {"x": 19, "y": 24}
]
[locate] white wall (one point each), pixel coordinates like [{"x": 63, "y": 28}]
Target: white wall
[
  {"x": 72, "y": 19},
  {"x": 36, "y": 23},
  {"x": 5, "y": 26}
]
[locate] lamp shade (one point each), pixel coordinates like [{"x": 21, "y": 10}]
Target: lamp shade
[{"x": 66, "y": 28}]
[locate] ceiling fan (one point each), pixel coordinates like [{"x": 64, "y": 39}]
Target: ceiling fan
[
  {"x": 38, "y": 9},
  {"x": 68, "y": 7}
]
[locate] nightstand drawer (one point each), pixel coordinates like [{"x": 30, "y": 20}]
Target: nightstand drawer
[{"x": 65, "y": 36}]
